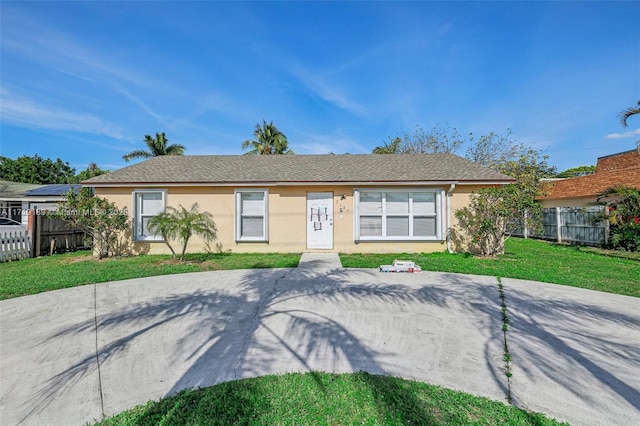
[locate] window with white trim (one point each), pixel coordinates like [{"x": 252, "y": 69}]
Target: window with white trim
[
  {"x": 251, "y": 215},
  {"x": 398, "y": 215},
  {"x": 147, "y": 204}
]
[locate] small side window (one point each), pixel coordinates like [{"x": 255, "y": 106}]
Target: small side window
[
  {"x": 251, "y": 215},
  {"x": 147, "y": 204}
]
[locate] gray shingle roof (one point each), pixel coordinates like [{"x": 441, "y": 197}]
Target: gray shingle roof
[{"x": 226, "y": 169}]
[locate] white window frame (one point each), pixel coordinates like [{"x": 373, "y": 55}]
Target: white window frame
[
  {"x": 238, "y": 215},
  {"x": 137, "y": 213},
  {"x": 438, "y": 214}
]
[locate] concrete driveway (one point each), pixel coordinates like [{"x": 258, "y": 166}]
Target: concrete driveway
[{"x": 75, "y": 355}]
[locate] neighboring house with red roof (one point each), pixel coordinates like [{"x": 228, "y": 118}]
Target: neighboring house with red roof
[{"x": 612, "y": 170}]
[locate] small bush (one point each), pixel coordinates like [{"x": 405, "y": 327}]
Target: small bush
[
  {"x": 625, "y": 237},
  {"x": 101, "y": 219}
]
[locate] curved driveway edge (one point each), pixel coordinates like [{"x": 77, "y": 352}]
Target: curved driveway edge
[
  {"x": 574, "y": 351},
  {"x": 74, "y": 355}
]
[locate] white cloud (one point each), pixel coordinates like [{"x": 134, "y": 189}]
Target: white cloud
[
  {"x": 324, "y": 144},
  {"x": 81, "y": 77},
  {"x": 444, "y": 29},
  {"x": 37, "y": 41},
  {"x": 28, "y": 113},
  {"x": 629, "y": 134},
  {"x": 143, "y": 106},
  {"x": 327, "y": 90}
]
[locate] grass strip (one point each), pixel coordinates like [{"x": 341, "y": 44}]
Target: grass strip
[
  {"x": 584, "y": 267},
  {"x": 505, "y": 327},
  {"x": 31, "y": 276},
  {"x": 326, "y": 398},
  {"x": 535, "y": 260}
]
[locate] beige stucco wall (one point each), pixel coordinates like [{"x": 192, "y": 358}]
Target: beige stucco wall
[
  {"x": 460, "y": 241},
  {"x": 287, "y": 219}
]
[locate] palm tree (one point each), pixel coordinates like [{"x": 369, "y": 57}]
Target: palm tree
[
  {"x": 268, "y": 141},
  {"x": 624, "y": 115},
  {"x": 392, "y": 147},
  {"x": 180, "y": 224},
  {"x": 157, "y": 146},
  {"x": 91, "y": 171}
]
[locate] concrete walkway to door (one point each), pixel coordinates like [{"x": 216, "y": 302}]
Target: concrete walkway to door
[
  {"x": 320, "y": 261},
  {"x": 71, "y": 356}
]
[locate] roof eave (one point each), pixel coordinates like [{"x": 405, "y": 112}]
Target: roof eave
[
  {"x": 297, "y": 183},
  {"x": 52, "y": 199}
]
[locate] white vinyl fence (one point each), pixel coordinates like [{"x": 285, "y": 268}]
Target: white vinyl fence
[
  {"x": 14, "y": 244},
  {"x": 575, "y": 225}
]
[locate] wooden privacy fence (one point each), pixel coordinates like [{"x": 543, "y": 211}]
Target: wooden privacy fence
[
  {"x": 53, "y": 235},
  {"x": 14, "y": 245},
  {"x": 576, "y": 225}
]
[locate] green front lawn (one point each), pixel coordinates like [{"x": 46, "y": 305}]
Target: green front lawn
[
  {"x": 31, "y": 276},
  {"x": 585, "y": 267},
  {"x": 326, "y": 399},
  {"x": 610, "y": 271}
]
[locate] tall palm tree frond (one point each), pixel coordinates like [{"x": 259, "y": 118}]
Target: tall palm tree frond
[
  {"x": 624, "y": 115},
  {"x": 138, "y": 153},
  {"x": 269, "y": 140},
  {"x": 392, "y": 147},
  {"x": 157, "y": 146}
]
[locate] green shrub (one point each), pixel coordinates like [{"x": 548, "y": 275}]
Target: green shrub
[{"x": 625, "y": 237}]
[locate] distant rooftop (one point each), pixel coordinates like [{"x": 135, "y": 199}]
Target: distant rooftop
[
  {"x": 18, "y": 190},
  {"x": 622, "y": 168},
  {"x": 52, "y": 190},
  {"x": 10, "y": 189}
]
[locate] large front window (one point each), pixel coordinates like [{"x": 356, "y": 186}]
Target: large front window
[
  {"x": 146, "y": 205},
  {"x": 251, "y": 215},
  {"x": 398, "y": 215}
]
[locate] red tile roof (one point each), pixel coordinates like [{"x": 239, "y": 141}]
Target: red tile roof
[{"x": 617, "y": 169}]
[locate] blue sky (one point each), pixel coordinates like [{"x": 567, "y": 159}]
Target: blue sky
[{"x": 85, "y": 81}]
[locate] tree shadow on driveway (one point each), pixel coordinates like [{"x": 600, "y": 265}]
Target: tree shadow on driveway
[
  {"x": 575, "y": 350},
  {"x": 154, "y": 340},
  {"x": 156, "y": 337}
]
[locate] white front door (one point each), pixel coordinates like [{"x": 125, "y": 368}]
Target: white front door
[{"x": 320, "y": 220}]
